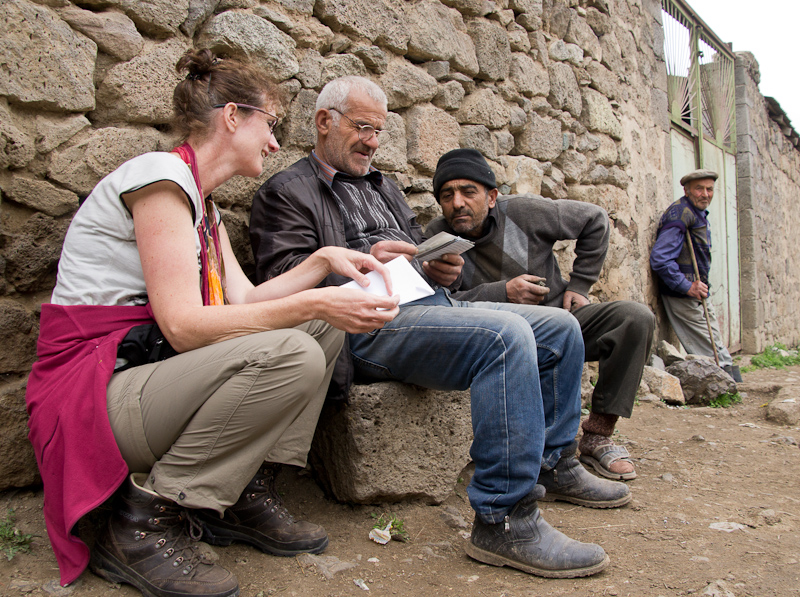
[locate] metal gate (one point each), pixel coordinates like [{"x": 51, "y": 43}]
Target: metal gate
[{"x": 701, "y": 91}]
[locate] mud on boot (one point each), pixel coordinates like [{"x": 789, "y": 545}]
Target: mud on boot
[
  {"x": 260, "y": 519},
  {"x": 569, "y": 481},
  {"x": 524, "y": 540},
  {"x": 146, "y": 543}
]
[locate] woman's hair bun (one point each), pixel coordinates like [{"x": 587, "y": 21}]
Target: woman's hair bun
[{"x": 197, "y": 63}]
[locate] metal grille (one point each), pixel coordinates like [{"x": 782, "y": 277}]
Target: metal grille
[
  {"x": 700, "y": 76},
  {"x": 718, "y": 92},
  {"x": 681, "y": 65}
]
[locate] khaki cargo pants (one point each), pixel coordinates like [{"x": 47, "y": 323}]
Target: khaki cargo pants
[{"x": 202, "y": 422}]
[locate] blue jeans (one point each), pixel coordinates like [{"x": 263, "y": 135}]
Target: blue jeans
[{"x": 523, "y": 367}]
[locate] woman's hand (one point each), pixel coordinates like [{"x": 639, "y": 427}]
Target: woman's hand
[
  {"x": 355, "y": 265},
  {"x": 355, "y": 311}
]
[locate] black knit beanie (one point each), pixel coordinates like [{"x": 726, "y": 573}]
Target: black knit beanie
[{"x": 468, "y": 164}]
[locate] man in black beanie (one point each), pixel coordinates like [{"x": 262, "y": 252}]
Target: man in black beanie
[{"x": 513, "y": 261}]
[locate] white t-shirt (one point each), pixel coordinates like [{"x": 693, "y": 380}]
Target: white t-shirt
[{"x": 100, "y": 263}]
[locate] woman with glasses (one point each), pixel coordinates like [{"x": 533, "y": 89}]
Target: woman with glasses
[{"x": 165, "y": 375}]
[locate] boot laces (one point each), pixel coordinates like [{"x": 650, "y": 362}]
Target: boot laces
[{"x": 180, "y": 540}]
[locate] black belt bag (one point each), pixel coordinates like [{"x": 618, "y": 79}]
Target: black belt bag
[{"x": 142, "y": 345}]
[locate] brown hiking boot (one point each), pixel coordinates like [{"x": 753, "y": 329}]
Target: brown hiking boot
[
  {"x": 146, "y": 544},
  {"x": 525, "y": 541},
  {"x": 260, "y": 519}
]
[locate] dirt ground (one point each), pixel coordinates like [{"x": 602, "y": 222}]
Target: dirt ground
[{"x": 696, "y": 466}]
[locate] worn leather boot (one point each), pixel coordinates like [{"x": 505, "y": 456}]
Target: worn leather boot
[
  {"x": 146, "y": 544},
  {"x": 525, "y": 541},
  {"x": 568, "y": 481},
  {"x": 260, "y": 519}
]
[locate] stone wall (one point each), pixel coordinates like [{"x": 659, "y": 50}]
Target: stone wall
[
  {"x": 768, "y": 173},
  {"x": 566, "y": 98}
]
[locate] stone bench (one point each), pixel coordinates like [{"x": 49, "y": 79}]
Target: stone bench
[{"x": 393, "y": 442}]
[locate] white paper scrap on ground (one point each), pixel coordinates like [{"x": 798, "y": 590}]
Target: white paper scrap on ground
[
  {"x": 405, "y": 281},
  {"x": 382, "y": 536}
]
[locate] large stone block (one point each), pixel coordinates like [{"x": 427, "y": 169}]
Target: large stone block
[
  {"x": 557, "y": 19},
  {"x": 518, "y": 38},
  {"x": 42, "y": 196},
  {"x": 784, "y": 409},
  {"x": 393, "y": 442},
  {"x": 377, "y": 20},
  {"x": 473, "y": 8},
  {"x": 240, "y": 34},
  {"x": 391, "y": 154},
  {"x": 439, "y": 33},
  {"x": 564, "y": 91},
  {"x": 298, "y": 129},
  {"x": 141, "y": 89},
  {"x": 159, "y": 18},
  {"x": 80, "y": 167},
  {"x": 16, "y": 144},
  {"x": 605, "y": 81},
  {"x": 156, "y": 18},
  {"x": 52, "y": 130},
  {"x": 449, "y": 96},
  {"x": 45, "y": 63},
  {"x": 522, "y": 174},
  {"x": 611, "y": 198},
  {"x": 572, "y": 164},
  {"x": 667, "y": 387},
  {"x": 198, "y": 11},
  {"x": 341, "y": 65},
  {"x": 491, "y": 48},
  {"x": 31, "y": 255},
  {"x": 702, "y": 381},
  {"x": 20, "y": 331},
  {"x": 531, "y": 78},
  {"x": 478, "y": 137},
  {"x": 581, "y": 34},
  {"x": 431, "y": 133},
  {"x": 598, "y": 115},
  {"x": 17, "y": 460},
  {"x": 306, "y": 32},
  {"x": 406, "y": 85},
  {"x": 540, "y": 138},
  {"x": 374, "y": 58},
  {"x": 486, "y": 108},
  {"x": 424, "y": 206},
  {"x": 113, "y": 32},
  {"x": 564, "y": 52}
]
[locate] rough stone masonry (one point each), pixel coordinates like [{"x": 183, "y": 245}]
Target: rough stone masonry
[{"x": 566, "y": 98}]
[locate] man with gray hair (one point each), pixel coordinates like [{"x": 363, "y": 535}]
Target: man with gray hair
[
  {"x": 522, "y": 364},
  {"x": 683, "y": 246}
]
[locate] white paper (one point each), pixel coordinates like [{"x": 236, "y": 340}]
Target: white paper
[{"x": 406, "y": 282}]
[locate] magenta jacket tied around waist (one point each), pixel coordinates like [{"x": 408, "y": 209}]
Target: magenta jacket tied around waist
[{"x": 78, "y": 458}]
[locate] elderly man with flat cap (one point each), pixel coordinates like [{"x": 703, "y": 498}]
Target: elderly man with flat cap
[
  {"x": 513, "y": 262},
  {"x": 671, "y": 260}
]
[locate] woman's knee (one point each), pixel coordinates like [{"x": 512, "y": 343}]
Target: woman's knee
[{"x": 299, "y": 358}]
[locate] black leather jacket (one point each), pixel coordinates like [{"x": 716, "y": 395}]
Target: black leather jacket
[{"x": 294, "y": 213}]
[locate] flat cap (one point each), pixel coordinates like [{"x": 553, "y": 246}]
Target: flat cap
[{"x": 698, "y": 175}]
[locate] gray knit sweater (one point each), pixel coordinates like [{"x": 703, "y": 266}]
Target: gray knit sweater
[{"x": 521, "y": 232}]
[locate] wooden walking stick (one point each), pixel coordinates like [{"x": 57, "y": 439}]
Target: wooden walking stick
[{"x": 702, "y": 300}]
